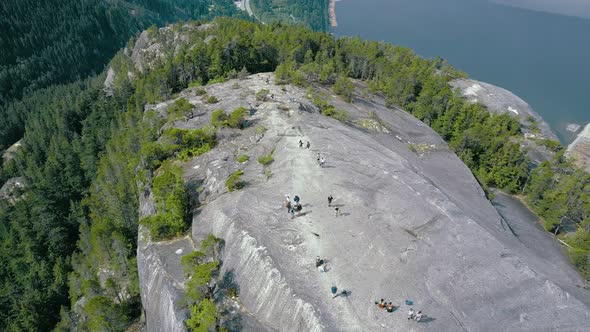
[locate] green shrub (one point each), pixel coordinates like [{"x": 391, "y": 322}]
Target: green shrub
[
  {"x": 188, "y": 143},
  {"x": 179, "y": 109},
  {"x": 237, "y": 118},
  {"x": 171, "y": 200},
  {"x": 200, "y": 92},
  {"x": 262, "y": 94},
  {"x": 243, "y": 158},
  {"x": 234, "y": 181},
  {"x": 212, "y": 100},
  {"x": 218, "y": 118},
  {"x": 344, "y": 88},
  {"x": 234, "y": 120}
]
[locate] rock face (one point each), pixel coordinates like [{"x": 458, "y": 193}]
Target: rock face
[
  {"x": 499, "y": 100},
  {"x": 414, "y": 225},
  {"x": 11, "y": 151},
  {"x": 579, "y": 150}
]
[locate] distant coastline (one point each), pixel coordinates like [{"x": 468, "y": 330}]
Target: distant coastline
[{"x": 333, "y": 21}]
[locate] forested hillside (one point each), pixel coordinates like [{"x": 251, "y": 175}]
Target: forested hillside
[
  {"x": 68, "y": 245},
  {"x": 48, "y": 42},
  {"x": 311, "y": 13}
]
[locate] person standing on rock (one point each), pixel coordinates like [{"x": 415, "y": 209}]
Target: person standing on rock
[
  {"x": 322, "y": 162},
  {"x": 300, "y": 143},
  {"x": 308, "y": 144},
  {"x": 288, "y": 206},
  {"x": 411, "y": 314},
  {"x": 330, "y": 198},
  {"x": 318, "y": 158},
  {"x": 337, "y": 209}
]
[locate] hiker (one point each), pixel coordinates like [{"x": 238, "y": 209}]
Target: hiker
[
  {"x": 308, "y": 145},
  {"x": 318, "y": 158},
  {"x": 334, "y": 289},
  {"x": 323, "y": 268},
  {"x": 300, "y": 143},
  {"x": 296, "y": 199},
  {"x": 381, "y": 304},
  {"x": 319, "y": 262},
  {"x": 411, "y": 314},
  {"x": 298, "y": 207},
  {"x": 343, "y": 293},
  {"x": 288, "y": 206},
  {"x": 330, "y": 198},
  {"x": 322, "y": 162},
  {"x": 389, "y": 307},
  {"x": 418, "y": 316},
  {"x": 337, "y": 211},
  {"x": 292, "y": 213}
]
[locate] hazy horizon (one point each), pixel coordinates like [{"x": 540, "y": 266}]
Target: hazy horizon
[{"x": 578, "y": 8}]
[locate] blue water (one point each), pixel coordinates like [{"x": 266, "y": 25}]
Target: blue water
[{"x": 543, "y": 58}]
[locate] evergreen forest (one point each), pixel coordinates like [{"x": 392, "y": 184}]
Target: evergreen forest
[
  {"x": 68, "y": 242},
  {"x": 53, "y": 42}
]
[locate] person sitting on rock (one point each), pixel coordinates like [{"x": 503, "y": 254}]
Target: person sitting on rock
[
  {"x": 296, "y": 199},
  {"x": 389, "y": 307},
  {"x": 308, "y": 145},
  {"x": 337, "y": 209},
  {"x": 381, "y": 304},
  {"x": 300, "y": 143},
  {"x": 418, "y": 316},
  {"x": 411, "y": 313},
  {"x": 298, "y": 207}
]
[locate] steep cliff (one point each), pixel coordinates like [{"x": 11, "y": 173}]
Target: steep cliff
[
  {"x": 414, "y": 225},
  {"x": 579, "y": 150}
]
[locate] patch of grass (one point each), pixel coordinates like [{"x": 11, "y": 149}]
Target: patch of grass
[
  {"x": 337, "y": 114},
  {"x": 234, "y": 181},
  {"x": 262, "y": 94},
  {"x": 243, "y": 158},
  {"x": 200, "y": 92},
  {"x": 266, "y": 159}
]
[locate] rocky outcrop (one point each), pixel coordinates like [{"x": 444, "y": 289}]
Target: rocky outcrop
[
  {"x": 414, "y": 224},
  {"x": 579, "y": 150},
  {"x": 502, "y": 101},
  {"x": 13, "y": 189},
  {"x": 10, "y": 153}
]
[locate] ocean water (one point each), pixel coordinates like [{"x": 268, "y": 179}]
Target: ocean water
[{"x": 542, "y": 57}]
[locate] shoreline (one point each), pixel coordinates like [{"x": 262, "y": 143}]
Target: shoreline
[{"x": 332, "y": 14}]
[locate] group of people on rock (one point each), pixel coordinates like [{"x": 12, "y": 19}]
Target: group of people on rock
[
  {"x": 412, "y": 314},
  {"x": 387, "y": 306},
  {"x": 307, "y": 145},
  {"x": 321, "y": 264},
  {"x": 293, "y": 206}
]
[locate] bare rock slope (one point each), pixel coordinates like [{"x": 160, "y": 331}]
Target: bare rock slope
[
  {"x": 579, "y": 150},
  {"x": 414, "y": 225}
]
